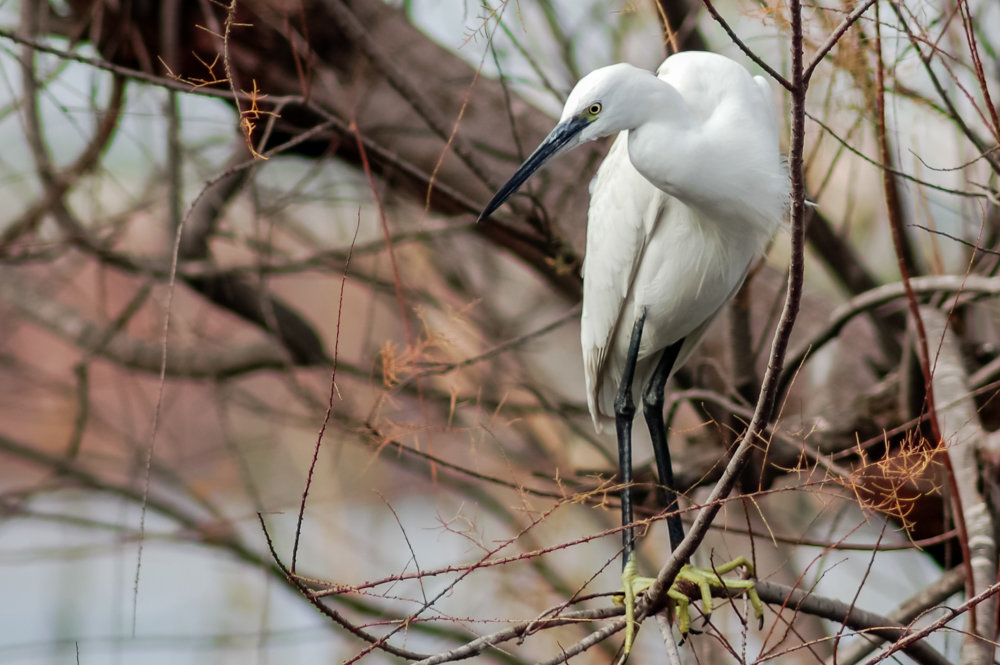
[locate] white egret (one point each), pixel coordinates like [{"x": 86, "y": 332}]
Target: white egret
[{"x": 688, "y": 198}]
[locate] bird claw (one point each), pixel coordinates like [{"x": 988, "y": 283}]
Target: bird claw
[
  {"x": 706, "y": 580},
  {"x": 632, "y": 586}
]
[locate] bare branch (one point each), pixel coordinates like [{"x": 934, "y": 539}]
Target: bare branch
[
  {"x": 913, "y": 608},
  {"x": 970, "y": 284},
  {"x": 964, "y": 436}
]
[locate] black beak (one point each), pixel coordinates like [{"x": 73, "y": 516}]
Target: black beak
[{"x": 557, "y": 139}]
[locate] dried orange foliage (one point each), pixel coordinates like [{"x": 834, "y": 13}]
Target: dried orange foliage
[
  {"x": 249, "y": 118},
  {"x": 892, "y": 484},
  {"x": 400, "y": 365},
  {"x": 397, "y": 362},
  {"x": 196, "y": 81}
]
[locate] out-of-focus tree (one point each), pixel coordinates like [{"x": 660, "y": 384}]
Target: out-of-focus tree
[{"x": 245, "y": 306}]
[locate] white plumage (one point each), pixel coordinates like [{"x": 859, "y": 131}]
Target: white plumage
[{"x": 688, "y": 197}]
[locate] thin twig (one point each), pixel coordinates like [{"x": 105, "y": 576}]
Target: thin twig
[
  {"x": 374, "y": 642},
  {"x": 908, "y": 611},
  {"x": 949, "y": 614},
  {"x": 356, "y": 32},
  {"x": 905, "y": 264},
  {"x": 329, "y": 406},
  {"x": 785, "y": 83},
  {"x": 835, "y": 36},
  {"x": 953, "y": 113}
]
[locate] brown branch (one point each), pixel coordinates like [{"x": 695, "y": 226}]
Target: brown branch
[
  {"x": 375, "y": 642},
  {"x": 886, "y": 167},
  {"x": 358, "y": 35},
  {"x": 927, "y": 59},
  {"x": 784, "y": 82},
  {"x": 965, "y": 438},
  {"x": 84, "y": 163},
  {"x": 51, "y": 179},
  {"x": 850, "y": 616},
  {"x": 949, "y": 614},
  {"x": 843, "y": 262},
  {"x": 329, "y": 406},
  {"x": 770, "y": 593},
  {"x": 519, "y": 631},
  {"x": 243, "y": 299},
  {"x": 908, "y": 611},
  {"x": 835, "y": 36},
  {"x": 844, "y": 314},
  {"x": 906, "y": 266},
  {"x": 678, "y": 19},
  {"x": 900, "y": 240},
  {"x": 194, "y": 526}
]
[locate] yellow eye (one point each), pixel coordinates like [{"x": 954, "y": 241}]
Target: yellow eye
[{"x": 594, "y": 108}]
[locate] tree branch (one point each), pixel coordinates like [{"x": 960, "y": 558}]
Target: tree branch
[
  {"x": 968, "y": 284},
  {"x": 910, "y": 610},
  {"x": 964, "y": 438}
]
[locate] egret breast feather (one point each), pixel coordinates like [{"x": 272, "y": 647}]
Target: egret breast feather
[{"x": 680, "y": 209}]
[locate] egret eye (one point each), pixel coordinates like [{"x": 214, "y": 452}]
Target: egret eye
[{"x": 594, "y": 108}]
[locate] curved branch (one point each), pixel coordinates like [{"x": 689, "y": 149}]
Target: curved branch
[{"x": 958, "y": 284}]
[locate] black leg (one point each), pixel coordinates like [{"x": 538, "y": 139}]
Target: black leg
[
  {"x": 624, "y": 413},
  {"x": 652, "y": 409}
]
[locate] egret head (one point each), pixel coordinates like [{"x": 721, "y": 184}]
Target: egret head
[{"x": 604, "y": 102}]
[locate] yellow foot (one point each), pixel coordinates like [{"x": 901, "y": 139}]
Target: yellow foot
[
  {"x": 632, "y": 586},
  {"x": 706, "y": 580}
]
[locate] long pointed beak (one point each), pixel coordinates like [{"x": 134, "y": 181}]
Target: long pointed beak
[{"x": 557, "y": 139}]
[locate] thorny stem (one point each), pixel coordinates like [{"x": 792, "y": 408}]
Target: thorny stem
[
  {"x": 894, "y": 208},
  {"x": 374, "y": 641},
  {"x": 329, "y": 407},
  {"x": 901, "y": 243}
]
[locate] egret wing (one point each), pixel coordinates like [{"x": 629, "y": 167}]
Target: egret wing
[{"x": 617, "y": 233}]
